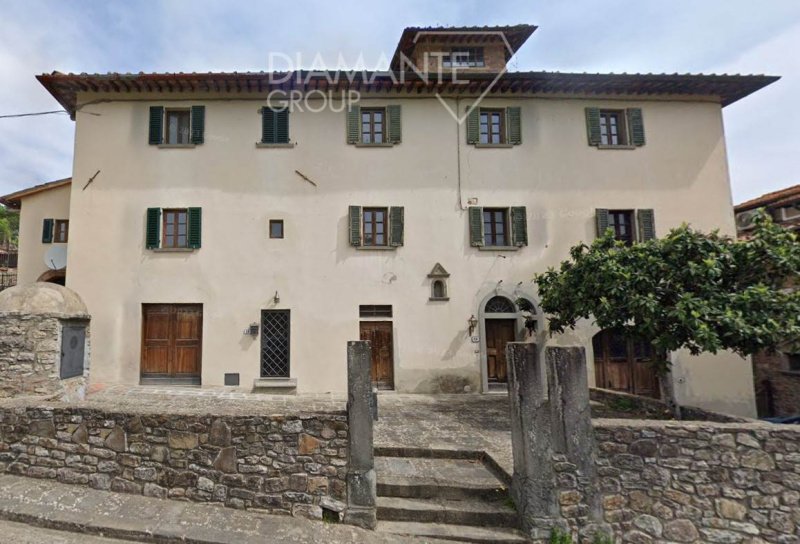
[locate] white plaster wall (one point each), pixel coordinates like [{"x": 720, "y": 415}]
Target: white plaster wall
[
  {"x": 681, "y": 173},
  {"x": 52, "y": 204}
]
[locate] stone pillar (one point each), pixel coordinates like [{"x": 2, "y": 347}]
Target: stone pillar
[
  {"x": 361, "y": 483},
  {"x": 573, "y": 434},
  {"x": 533, "y": 485}
]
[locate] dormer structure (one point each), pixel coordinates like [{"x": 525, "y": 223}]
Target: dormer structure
[{"x": 469, "y": 48}]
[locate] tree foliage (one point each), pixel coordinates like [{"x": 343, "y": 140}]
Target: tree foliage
[
  {"x": 703, "y": 292},
  {"x": 9, "y": 227}
]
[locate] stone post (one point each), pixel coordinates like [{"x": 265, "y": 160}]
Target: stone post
[
  {"x": 361, "y": 483},
  {"x": 533, "y": 483},
  {"x": 573, "y": 434}
]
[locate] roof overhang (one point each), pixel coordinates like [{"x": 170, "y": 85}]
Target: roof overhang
[
  {"x": 783, "y": 197},
  {"x": 725, "y": 89},
  {"x": 14, "y": 200}
]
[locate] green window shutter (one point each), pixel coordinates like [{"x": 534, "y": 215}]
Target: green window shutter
[
  {"x": 395, "y": 127},
  {"x": 475, "y": 226},
  {"x": 636, "y": 126},
  {"x": 519, "y": 226},
  {"x": 514, "y": 124},
  {"x": 396, "y": 226},
  {"x": 593, "y": 125},
  {"x": 647, "y": 224},
  {"x": 47, "y": 231},
  {"x": 156, "y": 125},
  {"x": 198, "y": 120},
  {"x": 353, "y": 125},
  {"x": 267, "y": 125},
  {"x": 282, "y": 126},
  {"x": 355, "y": 226},
  {"x": 473, "y": 122},
  {"x": 153, "y": 228},
  {"x": 601, "y": 219},
  {"x": 195, "y": 220}
]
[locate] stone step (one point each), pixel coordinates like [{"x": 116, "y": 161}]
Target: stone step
[
  {"x": 426, "y": 478},
  {"x": 459, "y": 533},
  {"x": 475, "y": 512}
]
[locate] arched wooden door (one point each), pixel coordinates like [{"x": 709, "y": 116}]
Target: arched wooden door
[{"x": 625, "y": 364}]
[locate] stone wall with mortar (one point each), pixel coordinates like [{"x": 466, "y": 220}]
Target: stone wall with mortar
[
  {"x": 690, "y": 482},
  {"x": 30, "y": 356},
  {"x": 279, "y": 464}
]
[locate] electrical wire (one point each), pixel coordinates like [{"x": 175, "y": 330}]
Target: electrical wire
[{"x": 32, "y": 114}]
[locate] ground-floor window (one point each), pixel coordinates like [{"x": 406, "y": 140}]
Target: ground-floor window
[{"x": 275, "y": 336}]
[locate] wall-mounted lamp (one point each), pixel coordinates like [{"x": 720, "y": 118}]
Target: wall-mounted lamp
[
  {"x": 276, "y": 299},
  {"x": 252, "y": 330},
  {"x": 472, "y": 322}
]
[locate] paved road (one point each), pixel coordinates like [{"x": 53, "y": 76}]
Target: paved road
[{"x": 19, "y": 533}]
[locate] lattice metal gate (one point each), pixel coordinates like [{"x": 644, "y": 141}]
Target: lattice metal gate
[{"x": 275, "y": 327}]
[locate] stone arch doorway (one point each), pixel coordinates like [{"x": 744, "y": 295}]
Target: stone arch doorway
[
  {"x": 626, "y": 364},
  {"x": 58, "y": 277},
  {"x": 501, "y": 321}
]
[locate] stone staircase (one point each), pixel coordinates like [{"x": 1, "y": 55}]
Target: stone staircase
[{"x": 430, "y": 495}]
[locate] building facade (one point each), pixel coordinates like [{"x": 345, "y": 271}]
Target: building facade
[
  {"x": 230, "y": 240},
  {"x": 776, "y": 375}
]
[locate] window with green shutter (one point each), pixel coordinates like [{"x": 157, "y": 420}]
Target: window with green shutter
[
  {"x": 184, "y": 126},
  {"x": 47, "y": 231},
  {"x": 514, "y": 124},
  {"x": 374, "y": 126},
  {"x": 475, "y": 226},
  {"x": 173, "y": 228},
  {"x": 354, "y": 125},
  {"x": 396, "y": 226},
  {"x": 593, "y": 125},
  {"x": 647, "y": 224},
  {"x": 636, "y": 126},
  {"x": 274, "y": 125},
  {"x": 395, "y": 126},
  {"x": 376, "y": 227},
  {"x": 519, "y": 226},
  {"x": 473, "y": 125},
  {"x": 198, "y": 124},
  {"x": 601, "y": 221},
  {"x": 354, "y": 223},
  {"x": 156, "y": 132},
  {"x": 494, "y": 126},
  {"x": 609, "y": 128}
]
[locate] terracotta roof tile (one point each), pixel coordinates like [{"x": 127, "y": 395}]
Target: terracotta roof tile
[{"x": 775, "y": 198}]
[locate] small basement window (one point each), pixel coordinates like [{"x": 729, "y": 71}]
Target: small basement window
[
  {"x": 276, "y": 228},
  {"x": 176, "y": 129},
  {"x": 375, "y": 310}
]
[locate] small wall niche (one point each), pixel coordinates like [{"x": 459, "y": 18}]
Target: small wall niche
[{"x": 438, "y": 277}]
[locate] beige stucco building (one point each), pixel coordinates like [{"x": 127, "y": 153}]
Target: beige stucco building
[{"x": 226, "y": 242}]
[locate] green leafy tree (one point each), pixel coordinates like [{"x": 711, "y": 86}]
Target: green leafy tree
[
  {"x": 702, "y": 292},
  {"x": 9, "y": 227}
]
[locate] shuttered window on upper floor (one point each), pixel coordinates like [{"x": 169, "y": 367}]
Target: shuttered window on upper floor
[
  {"x": 177, "y": 126},
  {"x": 374, "y": 227},
  {"x": 628, "y": 226},
  {"x": 274, "y": 125},
  {"x": 374, "y": 126},
  {"x": 610, "y": 128},
  {"x": 494, "y": 126},
  {"x": 173, "y": 228},
  {"x": 498, "y": 227}
]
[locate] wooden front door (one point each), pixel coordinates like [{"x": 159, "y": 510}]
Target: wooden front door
[
  {"x": 499, "y": 332},
  {"x": 172, "y": 337},
  {"x": 379, "y": 334},
  {"x": 625, "y": 364}
]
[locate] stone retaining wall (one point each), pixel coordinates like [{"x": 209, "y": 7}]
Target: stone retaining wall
[
  {"x": 692, "y": 482},
  {"x": 287, "y": 465}
]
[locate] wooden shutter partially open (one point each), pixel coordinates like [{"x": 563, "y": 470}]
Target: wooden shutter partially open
[
  {"x": 396, "y": 226},
  {"x": 153, "y": 228},
  {"x": 514, "y": 124},
  {"x": 355, "y": 225},
  {"x": 636, "y": 126},
  {"x": 47, "y": 231},
  {"x": 601, "y": 220},
  {"x": 519, "y": 226},
  {"x": 198, "y": 121},
  {"x": 195, "y": 227},
  {"x": 593, "y": 125},
  {"x": 476, "y": 226},
  {"x": 473, "y": 122},
  {"x": 156, "y": 133},
  {"x": 354, "y": 125},
  {"x": 395, "y": 126},
  {"x": 282, "y": 125},
  {"x": 647, "y": 224}
]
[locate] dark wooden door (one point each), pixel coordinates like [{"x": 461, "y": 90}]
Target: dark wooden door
[
  {"x": 172, "y": 337},
  {"x": 379, "y": 334},
  {"x": 625, "y": 364},
  {"x": 499, "y": 332}
]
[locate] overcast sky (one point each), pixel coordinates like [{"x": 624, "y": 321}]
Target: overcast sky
[{"x": 708, "y": 36}]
